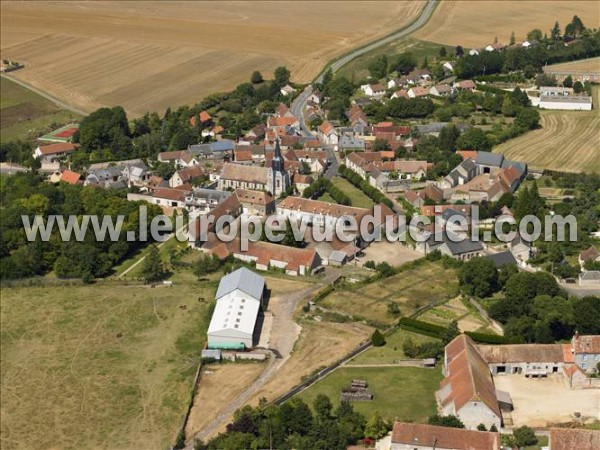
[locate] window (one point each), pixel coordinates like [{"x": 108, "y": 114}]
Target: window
[
  {"x": 241, "y": 307},
  {"x": 584, "y": 357},
  {"x": 239, "y": 314},
  {"x": 243, "y": 300}
]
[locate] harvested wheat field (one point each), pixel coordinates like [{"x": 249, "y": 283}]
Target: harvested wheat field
[
  {"x": 567, "y": 141},
  {"x": 150, "y": 55},
  {"x": 583, "y": 65},
  {"x": 474, "y": 24}
]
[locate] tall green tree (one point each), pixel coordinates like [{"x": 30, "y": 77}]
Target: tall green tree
[
  {"x": 152, "y": 267},
  {"x": 376, "y": 426},
  {"x": 479, "y": 277}
]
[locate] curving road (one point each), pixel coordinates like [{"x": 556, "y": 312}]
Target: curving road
[{"x": 299, "y": 103}]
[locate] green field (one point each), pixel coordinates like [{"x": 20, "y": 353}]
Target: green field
[
  {"x": 26, "y": 115},
  {"x": 410, "y": 289},
  {"x": 358, "y": 197},
  {"x": 357, "y": 69},
  {"x": 108, "y": 365},
  {"x": 402, "y": 393},
  {"x": 391, "y": 351}
]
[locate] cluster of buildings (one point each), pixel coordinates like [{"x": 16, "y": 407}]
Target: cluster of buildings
[
  {"x": 590, "y": 256},
  {"x": 419, "y": 436},
  {"x": 559, "y": 97},
  {"x": 468, "y": 390}
]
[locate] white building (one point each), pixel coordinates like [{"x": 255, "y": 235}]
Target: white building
[
  {"x": 570, "y": 103},
  {"x": 239, "y": 298}
]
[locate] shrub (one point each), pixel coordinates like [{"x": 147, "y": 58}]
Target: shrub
[{"x": 377, "y": 339}]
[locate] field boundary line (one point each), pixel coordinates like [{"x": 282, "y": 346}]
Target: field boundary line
[{"x": 45, "y": 95}]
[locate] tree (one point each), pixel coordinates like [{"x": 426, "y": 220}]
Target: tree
[
  {"x": 459, "y": 51},
  {"x": 445, "y": 421},
  {"x": 568, "y": 81},
  {"x": 524, "y": 436},
  {"x": 450, "y": 333},
  {"x": 376, "y": 427},
  {"x": 479, "y": 277},
  {"x": 405, "y": 63},
  {"x": 555, "y": 32},
  {"x": 474, "y": 138},
  {"x": 535, "y": 35},
  {"x": 323, "y": 407},
  {"x": 205, "y": 264},
  {"x": 152, "y": 268},
  {"x": 493, "y": 428},
  {"x": 578, "y": 87},
  {"x": 380, "y": 145},
  {"x": 256, "y": 77},
  {"x": 282, "y": 76},
  {"x": 448, "y": 137},
  {"x": 379, "y": 67},
  {"x": 512, "y": 38},
  {"x": 377, "y": 339},
  {"x": 527, "y": 118},
  {"x": 529, "y": 71},
  {"x": 481, "y": 427},
  {"x": 443, "y": 52}
]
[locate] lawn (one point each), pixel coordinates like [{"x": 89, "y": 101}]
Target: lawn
[
  {"x": 108, "y": 365},
  {"x": 358, "y": 68},
  {"x": 391, "y": 351},
  {"x": 358, "y": 197},
  {"x": 400, "y": 393},
  {"x": 410, "y": 289},
  {"x": 26, "y": 115}
]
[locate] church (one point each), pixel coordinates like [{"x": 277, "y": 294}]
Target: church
[{"x": 273, "y": 179}]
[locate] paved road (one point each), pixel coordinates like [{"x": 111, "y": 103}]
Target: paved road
[
  {"x": 46, "y": 95},
  {"x": 299, "y": 103}
]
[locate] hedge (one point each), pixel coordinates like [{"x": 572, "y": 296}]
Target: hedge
[{"x": 429, "y": 329}]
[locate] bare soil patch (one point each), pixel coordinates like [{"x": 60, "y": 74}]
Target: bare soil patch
[{"x": 540, "y": 401}]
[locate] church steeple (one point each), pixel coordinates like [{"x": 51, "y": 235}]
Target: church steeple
[
  {"x": 277, "y": 162},
  {"x": 278, "y": 178}
]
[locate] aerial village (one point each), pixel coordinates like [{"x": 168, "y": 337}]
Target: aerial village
[{"x": 303, "y": 162}]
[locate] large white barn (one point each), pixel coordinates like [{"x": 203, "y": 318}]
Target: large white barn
[{"x": 239, "y": 298}]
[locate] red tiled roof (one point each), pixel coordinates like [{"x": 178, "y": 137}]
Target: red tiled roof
[
  {"x": 243, "y": 155},
  {"x": 281, "y": 121},
  {"x": 430, "y": 210},
  {"x": 419, "y": 91},
  {"x": 417, "y": 434},
  {"x": 70, "y": 177},
  {"x": 468, "y": 376},
  {"x": 253, "y": 197},
  {"x": 239, "y": 172},
  {"x": 590, "y": 254},
  {"x": 466, "y": 84},
  {"x": 532, "y": 353},
  {"x": 204, "y": 116},
  {"x": 170, "y": 194},
  {"x": 467, "y": 154},
  {"x": 589, "y": 344},
  {"x": 61, "y": 147},
  {"x": 326, "y": 127},
  {"x": 574, "y": 438},
  {"x": 190, "y": 173}
]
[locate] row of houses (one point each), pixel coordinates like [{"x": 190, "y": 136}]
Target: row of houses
[{"x": 417, "y": 436}]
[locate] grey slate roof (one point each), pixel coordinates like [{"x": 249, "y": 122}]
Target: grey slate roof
[
  {"x": 466, "y": 246},
  {"x": 243, "y": 279},
  {"x": 222, "y": 146},
  {"x": 200, "y": 149},
  {"x": 489, "y": 159},
  {"x": 337, "y": 256},
  {"x": 590, "y": 275},
  {"x": 502, "y": 258},
  {"x": 520, "y": 166}
]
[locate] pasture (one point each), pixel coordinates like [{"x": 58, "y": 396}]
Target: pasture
[
  {"x": 399, "y": 393},
  {"x": 108, "y": 365},
  {"x": 359, "y": 198},
  {"x": 410, "y": 289},
  {"x": 474, "y": 24},
  {"x": 147, "y": 56},
  {"x": 25, "y": 115},
  {"x": 567, "y": 141}
]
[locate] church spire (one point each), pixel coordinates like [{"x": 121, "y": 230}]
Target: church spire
[{"x": 277, "y": 161}]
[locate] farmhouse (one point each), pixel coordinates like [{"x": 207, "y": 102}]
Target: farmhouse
[
  {"x": 586, "y": 351},
  {"x": 328, "y": 134},
  {"x": 418, "y": 91},
  {"x": 465, "y": 85},
  {"x": 187, "y": 175},
  {"x": 373, "y": 90},
  {"x": 591, "y": 254},
  {"x": 440, "y": 90},
  {"x": 418, "y": 436},
  {"x": 468, "y": 390},
  {"x": 180, "y": 158},
  {"x": 239, "y": 299},
  {"x": 54, "y": 152},
  {"x": 70, "y": 177},
  {"x": 527, "y": 359}
]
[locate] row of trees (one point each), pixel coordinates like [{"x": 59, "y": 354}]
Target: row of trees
[
  {"x": 322, "y": 185},
  {"x": 371, "y": 192}
]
